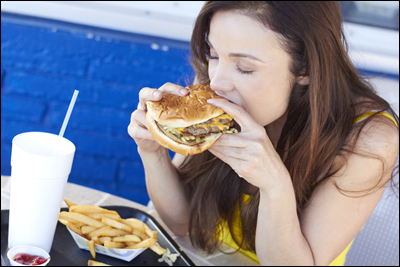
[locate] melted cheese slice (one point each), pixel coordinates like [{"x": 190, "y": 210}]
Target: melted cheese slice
[{"x": 215, "y": 122}]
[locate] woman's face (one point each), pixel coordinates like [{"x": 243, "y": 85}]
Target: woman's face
[{"x": 248, "y": 67}]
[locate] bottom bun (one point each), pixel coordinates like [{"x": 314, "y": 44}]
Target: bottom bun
[{"x": 178, "y": 147}]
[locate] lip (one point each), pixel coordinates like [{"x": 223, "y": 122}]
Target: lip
[
  {"x": 221, "y": 95},
  {"x": 218, "y": 93}
]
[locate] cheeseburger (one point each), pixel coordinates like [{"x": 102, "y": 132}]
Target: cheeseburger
[{"x": 188, "y": 124}]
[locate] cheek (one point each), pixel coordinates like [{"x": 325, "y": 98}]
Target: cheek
[
  {"x": 212, "y": 66},
  {"x": 268, "y": 103}
]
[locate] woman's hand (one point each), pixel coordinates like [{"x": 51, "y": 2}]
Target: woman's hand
[
  {"x": 250, "y": 153},
  {"x": 138, "y": 128}
]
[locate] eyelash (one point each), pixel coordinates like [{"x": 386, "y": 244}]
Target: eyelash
[
  {"x": 210, "y": 57},
  {"x": 237, "y": 67},
  {"x": 243, "y": 71}
]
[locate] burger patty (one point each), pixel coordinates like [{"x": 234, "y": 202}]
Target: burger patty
[
  {"x": 197, "y": 130},
  {"x": 195, "y": 134}
]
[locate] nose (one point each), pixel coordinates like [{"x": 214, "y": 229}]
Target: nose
[{"x": 219, "y": 80}]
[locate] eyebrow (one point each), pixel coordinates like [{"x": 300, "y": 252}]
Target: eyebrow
[{"x": 237, "y": 54}]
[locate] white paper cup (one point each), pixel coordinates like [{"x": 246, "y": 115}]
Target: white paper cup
[
  {"x": 40, "y": 165},
  {"x": 29, "y": 250}
]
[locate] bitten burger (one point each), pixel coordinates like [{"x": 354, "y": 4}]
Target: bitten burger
[{"x": 188, "y": 124}]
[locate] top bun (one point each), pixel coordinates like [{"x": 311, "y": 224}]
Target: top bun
[{"x": 184, "y": 111}]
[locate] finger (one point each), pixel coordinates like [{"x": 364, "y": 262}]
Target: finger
[
  {"x": 232, "y": 140},
  {"x": 140, "y": 106},
  {"x": 175, "y": 89},
  {"x": 148, "y": 94},
  {"x": 156, "y": 94},
  {"x": 229, "y": 152},
  {"x": 225, "y": 158},
  {"x": 139, "y": 117},
  {"x": 238, "y": 113},
  {"x": 138, "y": 133}
]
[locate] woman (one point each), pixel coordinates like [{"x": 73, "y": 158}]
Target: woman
[{"x": 316, "y": 148}]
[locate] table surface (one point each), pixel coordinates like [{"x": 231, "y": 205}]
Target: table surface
[{"x": 87, "y": 196}]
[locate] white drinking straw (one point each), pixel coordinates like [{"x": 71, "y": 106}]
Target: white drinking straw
[{"x": 66, "y": 119}]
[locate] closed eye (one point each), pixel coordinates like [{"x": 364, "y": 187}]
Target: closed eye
[
  {"x": 211, "y": 57},
  {"x": 237, "y": 67},
  {"x": 243, "y": 71}
]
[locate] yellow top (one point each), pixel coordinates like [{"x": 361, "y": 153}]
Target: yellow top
[
  {"x": 367, "y": 114},
  {"x": 226, "y": 237}
]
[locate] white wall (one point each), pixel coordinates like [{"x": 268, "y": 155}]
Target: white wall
[
  {"x": 170, "y": 19},
  {"x": 371, "y": 48}
]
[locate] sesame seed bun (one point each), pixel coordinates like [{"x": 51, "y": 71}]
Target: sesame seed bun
[{"x": 177, "y": 112}]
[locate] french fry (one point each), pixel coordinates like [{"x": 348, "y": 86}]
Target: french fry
[
  {"x": 98, "y": 231},
  {"x": 116, "y": 224},
  {"x": 127, "y": 238},
  {"x": 110, "y": 244},
  {"x": 80, "y": 218},
  {"x": 70, "y": 203},
  {"x": 136, "y": 224},
  {"x": 73, "y": 226},
  {"x": 130, "y": 243},
  {"x": 65, "y": 222},
  {"x": 102, "y": 239},
  {"x": 86, "y": 229},
  {"x": 144, "y": 244},
  {"x": 84, "y": 209},
  {"x": 62, "y": 217},
  {"x": 158, "y": 249},
  {"x": 96, "y": 263},
  {"x": 91, "y": 248},
  {"x": 148, "y": 231},
  {"x": 106, "y": 228},
  {"x": 138, "y": 227},
  {"x": 99, "y": 216},
  {"x": 113, "y": 232},
  {"x": 96, "y": 240},
  {"x": 140, "y": 234}
]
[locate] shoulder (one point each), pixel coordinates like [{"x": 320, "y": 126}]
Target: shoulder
[
  {"x": 376, "y": 131},
  {"x": 377, "y": 135},
  {"x": 341, "y": 205},
  {"x": 371, "y": 152}
]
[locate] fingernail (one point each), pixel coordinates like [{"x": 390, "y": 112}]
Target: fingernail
[
  {"x": 211, "y": 101},
  {"x": 156, "y": 94},
  {"x": 183, "y": 91}
]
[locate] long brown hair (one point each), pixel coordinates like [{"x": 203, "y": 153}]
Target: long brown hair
[{"x": 317, "y": 128}]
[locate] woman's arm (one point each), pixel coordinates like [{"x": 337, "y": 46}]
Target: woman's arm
[
  {"x": 279, "y": 238},
  {"x": 331, "y": 220},
  {"x": 166, "y": 191},
  {"x": 163, "y": 184}
]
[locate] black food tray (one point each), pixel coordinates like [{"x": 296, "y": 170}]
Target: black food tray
[{"x": 65, "y": 252}]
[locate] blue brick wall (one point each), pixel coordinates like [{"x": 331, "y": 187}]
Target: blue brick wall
[{"x": 43, "y": 61}]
